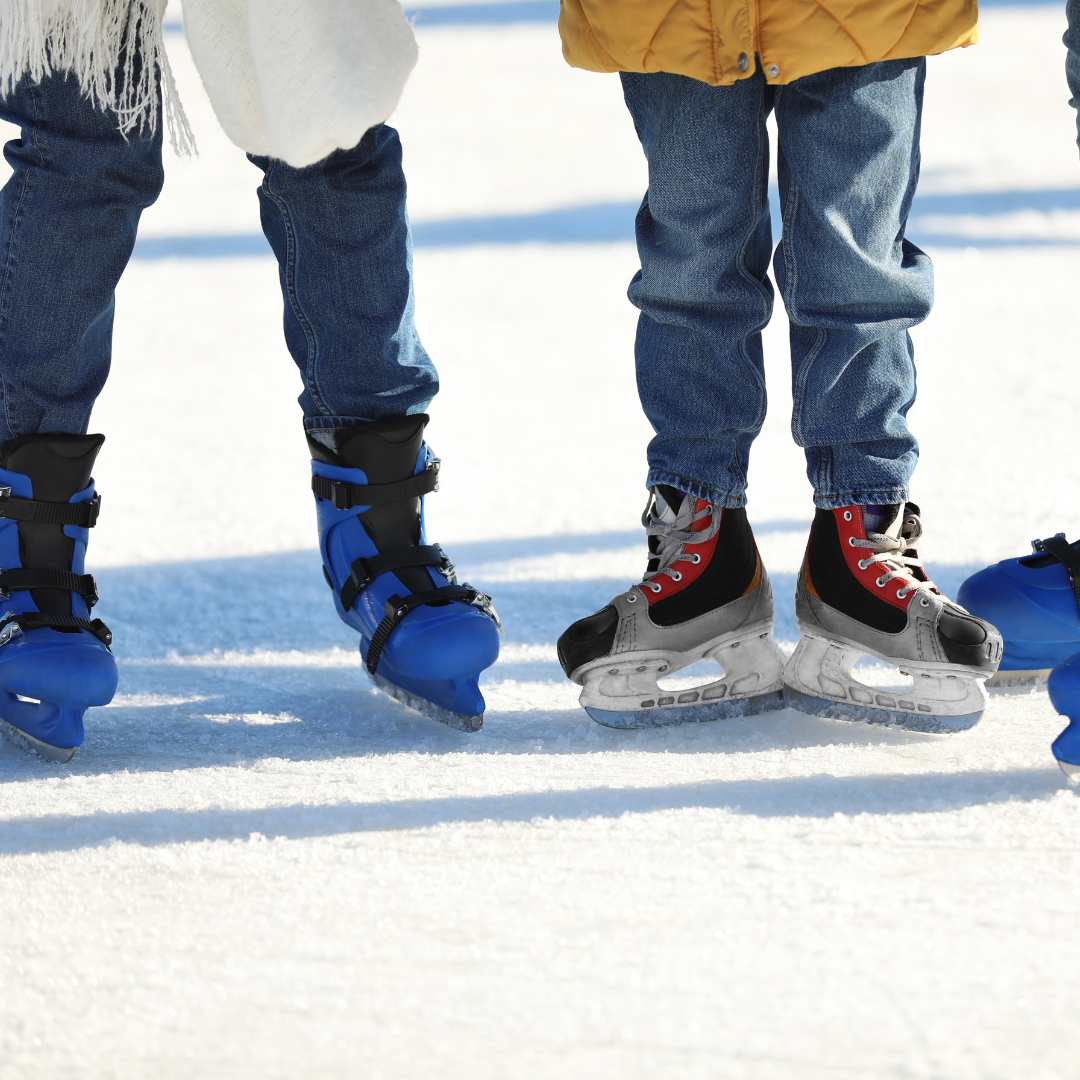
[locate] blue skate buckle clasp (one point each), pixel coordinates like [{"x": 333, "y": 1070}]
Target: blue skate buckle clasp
[
  {"x": 9, "y": 628},
  {"x": 487, "y": 606},
  {"x": 434, "y": 465}
]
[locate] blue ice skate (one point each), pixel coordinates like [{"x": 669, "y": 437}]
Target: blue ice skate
[
  {"x": 1065, "y": 694},
  {"x": 55, "y": 662},
  {"x": 1035, "y": 602},
  {"x": 424, "y": 638}
]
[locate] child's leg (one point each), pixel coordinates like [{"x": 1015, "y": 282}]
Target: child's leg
[
  {"x": 341, "y": 236},
  {"x": 853, "y": 286},
  {"x": 68, "y": 219},
  {"x": 849, "y": 163},
  {"x": 704, "y": 239}
]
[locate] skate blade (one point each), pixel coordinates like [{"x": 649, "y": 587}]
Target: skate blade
[
  {"x": 46, "y": 751},
  {"x": 1005, "y": 681},
  {"x": 673, "y": 715},
  {"x": 927, "y": 723},
  {"x": 457, "y": 721}
]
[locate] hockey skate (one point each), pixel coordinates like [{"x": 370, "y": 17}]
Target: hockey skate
[
  {"x": 865, "y": 594},
  {"x": 705, "y": 596},
  {"x": 1035, "y": 603},
  {"x": 424, "y": 638},
  {"x": 55, "y": 662}
]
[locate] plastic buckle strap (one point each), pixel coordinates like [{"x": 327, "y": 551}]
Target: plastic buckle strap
[
  {"x": 346, "y": 496},
  {"x": 83, "y": 514},
  {"x": 13, "y": 624},
  {"x": 20, "y": 579},
  {"x": 365, "y": 570}
]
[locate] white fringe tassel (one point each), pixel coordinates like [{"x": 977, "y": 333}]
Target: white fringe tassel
[{"x": 100, "y": 42}]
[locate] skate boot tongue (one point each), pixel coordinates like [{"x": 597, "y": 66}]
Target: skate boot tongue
[
  {"x": 884, "y": 520},
  {"x": 669, "y": 501}
]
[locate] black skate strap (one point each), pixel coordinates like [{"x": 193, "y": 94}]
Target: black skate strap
[
  {"x": 397, "y": 607},
  {"x": 84, "y": 514},
  {"x": 345, "y": 496},
  {"x": 63, "y": 580},
  {"x": 365, "y": 571},
  {"x": 1058, "y": 548},
  {"x": 13, "y": 623}
]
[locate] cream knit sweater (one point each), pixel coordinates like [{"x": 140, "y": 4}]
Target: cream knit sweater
[{"x": 290, "y": 79}]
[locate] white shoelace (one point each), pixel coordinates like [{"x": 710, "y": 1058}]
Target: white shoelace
[
  {"x": 673, "y": 531},
  {"x": 891, "y": 553}
]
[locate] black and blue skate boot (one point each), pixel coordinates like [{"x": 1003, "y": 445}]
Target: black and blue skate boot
[
  {"x": 424, "y": 638},
  {"x": 55, "y": 661},
  {"x": 1035, "y": 602}
]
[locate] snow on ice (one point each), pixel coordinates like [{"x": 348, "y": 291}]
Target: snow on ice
[{"x": 259, "y": 867}]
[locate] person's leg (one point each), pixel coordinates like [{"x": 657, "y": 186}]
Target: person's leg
[
  {"x": 704, "y": 239},
  {"x": 852, "y": 284},
  {"x": 703, "y": 291},
  {"x": 341, "y": 235},
  {"x": 68, "y": 219},
  {"x": 1072, "y": 57}
]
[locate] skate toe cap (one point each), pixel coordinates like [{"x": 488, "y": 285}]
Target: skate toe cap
[
  {"x": 444, "y": 643},
  {"x": 588, "y": 639},
  {"x": 968, "y": 640},
  {"x": 64, "y": 669}
]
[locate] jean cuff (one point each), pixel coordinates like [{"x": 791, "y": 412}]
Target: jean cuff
[
  {"x": 321, "y": 423},
  {"x": 725, "y": 498},
  {"x": 829, "y": 500}
]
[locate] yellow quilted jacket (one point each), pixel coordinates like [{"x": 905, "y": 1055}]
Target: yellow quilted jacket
[{"x": 721, "y": 41}]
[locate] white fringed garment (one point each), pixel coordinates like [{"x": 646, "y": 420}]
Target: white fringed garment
[{"x": 289, "y": 79}]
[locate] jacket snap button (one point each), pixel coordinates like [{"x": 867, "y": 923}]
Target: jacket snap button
[
  {"x": 774, "y": 70},
  {"x": 744, "y": 62}
]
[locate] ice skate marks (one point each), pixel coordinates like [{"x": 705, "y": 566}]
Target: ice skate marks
[
  {"x": 623, "y": 691},
  {"x": 819, "y": 680}
]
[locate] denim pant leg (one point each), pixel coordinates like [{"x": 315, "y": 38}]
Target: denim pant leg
[
  {"x": 68, "y": 219},
  {"x": 853, "y": 286},
  {"x": 704, "y": 239},
  {"x": 341, "y": 236},
  {"x": 1072, "y": 58}
]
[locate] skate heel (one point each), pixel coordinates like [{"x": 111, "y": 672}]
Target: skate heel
[
  {"x": 624, "y": 692},
  {"x": 1064, "y": 690},
  {"x": 819, "y": 680}
]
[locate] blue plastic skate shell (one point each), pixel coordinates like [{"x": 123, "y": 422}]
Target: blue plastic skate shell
[
  {"x": 48, "y": 678},
  {"x": 1035, "y": 609},
  {"x": 1064, "y": 687},
  {"x": 433, "y": 659}
]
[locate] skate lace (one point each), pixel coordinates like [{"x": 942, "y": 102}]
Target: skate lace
[
  {"x": 671, "y": 537},
  {"x": 898, "y": 558}
]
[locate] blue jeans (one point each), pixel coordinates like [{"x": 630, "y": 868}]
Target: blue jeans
[
  {"x": 853, "y": 286},
  {"x": 1072, "y": 58},
  {"x": 68, "y": 221}
]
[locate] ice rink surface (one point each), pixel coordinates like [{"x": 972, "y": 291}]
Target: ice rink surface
[{"x": 259, "y": 867}]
